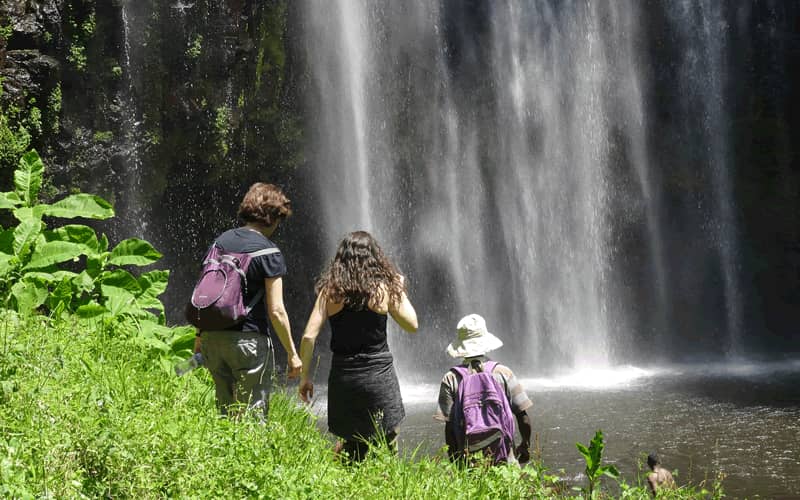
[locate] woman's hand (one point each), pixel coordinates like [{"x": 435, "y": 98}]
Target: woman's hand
[
  {"x": 306, "y": 390},
  {"x": 522, "y": 453},
  {"x": 295, "y": 365}
]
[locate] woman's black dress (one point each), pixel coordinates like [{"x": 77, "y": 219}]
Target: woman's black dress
[{"x": 363, "y": 391}]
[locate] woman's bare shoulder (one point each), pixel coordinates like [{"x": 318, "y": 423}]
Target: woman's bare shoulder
[{"x": 333, "y": 307}]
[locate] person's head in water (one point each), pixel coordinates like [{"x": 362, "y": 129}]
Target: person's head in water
[
  {"x": 660, "y": 477},
  {"x": 360, "y": 274},
  {"x": 264, "y": 205}
]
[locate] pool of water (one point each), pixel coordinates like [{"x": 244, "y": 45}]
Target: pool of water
[{"x": 741, "y": 420}]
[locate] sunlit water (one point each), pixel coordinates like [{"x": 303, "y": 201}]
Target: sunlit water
[{"x": 741, "y": 420}]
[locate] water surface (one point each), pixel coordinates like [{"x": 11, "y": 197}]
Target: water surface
[{"x": 740, "y": 420}]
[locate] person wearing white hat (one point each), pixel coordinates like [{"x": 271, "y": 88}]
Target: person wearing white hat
[{"x": 473, "y": 341}]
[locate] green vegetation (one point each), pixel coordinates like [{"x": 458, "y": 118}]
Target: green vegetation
[
  {"x": 40, "y": 269},
  {"x": 82, "y": 33},
  {"x": 104, "y": 136},
  {"x": 152, "y": 137},
  {"x": 77, "y": 55},
  {"x": 593, "y": 455},
  {"x": 6, "y": 30},
  {"x": 90, "y": 406},
  {"x": 14, "y": 140},
  {"x": 195, "y": 47},
  {"x": 271, "y": 56},
  {"x": 87, "y": 413},
  {"x": 222, "y": 127},
  {"x": 54, "y": 108}
]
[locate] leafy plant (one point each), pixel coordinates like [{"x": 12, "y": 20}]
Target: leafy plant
[
  {"x": 40, "y": 267},
  {"x": 14, "y": 137},
  {"x": 195, "y": 48},
  {"x": 593, "y": 456}
]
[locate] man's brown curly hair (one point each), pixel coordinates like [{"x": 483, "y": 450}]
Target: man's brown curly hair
[
  {"x": 264, "y": 204},
  {"x": 360, "y": 274}
]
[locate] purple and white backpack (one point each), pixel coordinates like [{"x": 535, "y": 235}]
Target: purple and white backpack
[
  {"x": 217, "y": 302},
  {"x": 482, "y": 417}
]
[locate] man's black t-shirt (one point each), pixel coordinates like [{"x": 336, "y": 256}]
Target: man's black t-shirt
[{"x": 243, "y": 240}]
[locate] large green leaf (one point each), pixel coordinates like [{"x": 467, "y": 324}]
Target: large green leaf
[
  {"x": 95, "y": 264},
  {"x": 76, "y": 233},
  {"x": 10, "y": 200},
  {"x": 7, "y": 262},
  {"x": 90, "y": 310},
  {"x": 117, "y": 300},
  {"x": 134, "y": 251},
  {"x": 61, "y": 275},
  {"x": 83, "y": 282},
  {"x": 102, "y": 243},
  {"x": 609, "y": 470},
  {"x": 29, "y": 295},
  {"x": 145, "y": 302},
  {"x": 121, "y": 279},
  {"x": 61, "y": 296},
  {"x": 83, "y": 205},
  {"x": 183, "y": 338},
  {"x": 25, "y": 233},
  {"x": 154, "y": 283},
  {"x": 54, "y": 252},
  {"x": 29, "y": 213},
  {"x": 28, "y": 177},
  {"x": 152, "y": 336},
  {"x": 41, "y": 277}
]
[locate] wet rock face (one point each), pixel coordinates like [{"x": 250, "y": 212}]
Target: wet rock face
[
  {"x": 34, "y": 22},
  {"x": 27, "y": 64},
  {"x": 28, "y": 73},
  {"x": 154, "y": 103}
]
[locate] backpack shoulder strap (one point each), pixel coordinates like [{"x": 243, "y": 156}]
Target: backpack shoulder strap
[
  {"x": 460, "y": 371},
  {"x": 265, "y": 251},
  {"x": 259, "y": 294},
  {"x": 489, "y": 366},
  {"x": 253, "y": 255}
]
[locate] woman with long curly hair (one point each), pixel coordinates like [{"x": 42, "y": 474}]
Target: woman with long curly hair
[{"x": 356, "y": 293}]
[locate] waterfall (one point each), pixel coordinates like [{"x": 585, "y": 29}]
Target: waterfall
[
  {"x": 499, "y": 151},
  {"x": 131, "y": 139},
  {"x": 345, "y": 124},
  {"x": 703, "y": 28}
]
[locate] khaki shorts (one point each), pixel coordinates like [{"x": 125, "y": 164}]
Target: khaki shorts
[{"x": 242, "y": 366}]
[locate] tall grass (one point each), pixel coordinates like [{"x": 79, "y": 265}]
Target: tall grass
[{"x": 85, "y": 414}]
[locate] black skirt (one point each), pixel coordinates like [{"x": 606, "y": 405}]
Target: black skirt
[{"x": 363, "y": 396}]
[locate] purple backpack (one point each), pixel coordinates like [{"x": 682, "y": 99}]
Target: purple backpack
[
  {"x": 217, "y": 302},
  {"x": 482, "y": 417}
]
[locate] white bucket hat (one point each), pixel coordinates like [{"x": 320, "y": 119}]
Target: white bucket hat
[{"x": 473, "y": 338}]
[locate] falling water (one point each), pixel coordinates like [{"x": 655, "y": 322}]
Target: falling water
[
  {"x": 346, "y": 122},
  {"x": 132, "y": 162},
  {"x": 483, "y": 144},
  {"x": 704, "y": 29}
]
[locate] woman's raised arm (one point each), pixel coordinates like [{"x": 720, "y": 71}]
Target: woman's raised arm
[
  {"x": 403, "y": 312},
  {"x": 315, "y": 321}
]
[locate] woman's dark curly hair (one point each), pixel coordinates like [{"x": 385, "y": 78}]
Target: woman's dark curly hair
[
  {"x": 360, "y": 274},
  {"x": 264, "y": 204}
]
